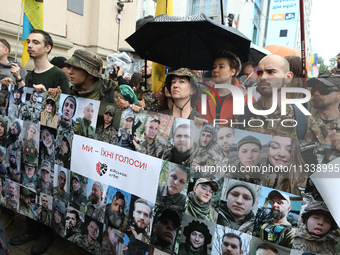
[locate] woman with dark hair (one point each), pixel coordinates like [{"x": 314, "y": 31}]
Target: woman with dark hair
[
  {"x": 65, "y": 122},
  {"x": 63, "y": 153},
  {"x": 48, "y": 116},
  {"x": 47, "y": 143},
  {"x": 197, "y": 239},
  {"x": 295, "y": 66},
  {"x": 3, "y": 132}
]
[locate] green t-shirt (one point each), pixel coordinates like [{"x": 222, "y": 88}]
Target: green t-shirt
[{"x": 51, "y": 78}]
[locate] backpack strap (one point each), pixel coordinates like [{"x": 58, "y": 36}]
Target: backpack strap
[{"x": 301, "y": 119}]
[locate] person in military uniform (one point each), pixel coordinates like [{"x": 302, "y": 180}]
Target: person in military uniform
[
  {"x": 25, "y": 202},
  {"x": 4, "y": 99},
  {"x": 319, "y": 232},
  {"x": 149, "y": 144},
  {"x": 49, "y": 116},
  {"x": 204, "y": 151},
  {"x": 63, "y": 152},
  {"x": 112, "y": 238},
  {"x": 74, "y": 229},
  {"x": 11, "y": 201},
  {"x": 59, "y": 192},
  {"x": 47, "y": 146},
  {"x": 77, "y": 198},
  {"x": 58, "y": 222},
  {"x": 14, "y": 109},
  {"x": 278, "y": 229},
  {"x": 13, "y": 172},
  {"x": 45, "y": 184},
  {"x": 170, "y": 196},
  {"x": 65, "y": 122},
  {"x": 43, "y": 214},
  {"x": 3, "y": 132},
  {"x": 106, "y": 131},
  {"x": 83, "y": 125},
  {"x": 325, "y": 100},
  {"x": 114, "y": 211},
  {"x": 29, "y": 177},
  {"x": 181, "y": 152},
  {"x": 224, "y": 137},
  {"x": 95, "y": 208},
  {"x": 90, "y": 242},
  {"x": 28, "y": 144},
  {"x": 30, "y": 111},
  {"x": 124, "y": 133},
  {"x": 13, "y": 143}
]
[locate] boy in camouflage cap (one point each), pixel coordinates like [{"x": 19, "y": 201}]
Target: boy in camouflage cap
[{"x": 106, "y": 132}]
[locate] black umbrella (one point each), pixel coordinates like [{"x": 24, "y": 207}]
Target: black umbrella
[
  {"x": 257, "y": 53},
  {"x": 190, "y": 42}
]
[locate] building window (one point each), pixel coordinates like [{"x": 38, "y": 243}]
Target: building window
[
  {"x": 283, "y": 33},
  {"x": 76, "y": 6},
  {"x": 209, "y": 7}
]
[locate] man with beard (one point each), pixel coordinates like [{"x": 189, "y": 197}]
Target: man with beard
[
  {"x": 43, "y": 214},
  {"x": 95, "y": 208},
  {"x": 77, "y": 197},
  {"x": 28, "y": 144},
  {"x": 149, "y": 143},
  {"x": 336, "y": 70},
  {"x": 13, "y": 172},
  {"x": 83, "y": 125},
  {"x": 31, "y": 110},
  {"x": 106, "y": 132},
  {"x": 225, "y": 138},
  {"x": 44, "y": 181},
  {"x": 325, "y": 100},
  {"x": 90, "y": 242},
  {"x": 65, "y": 122},
  {"x": 204, "y": 153},
  {"x": 114, "y": 212},
  {"x": 180, "y": 152},
  {"x": 25, "y": 202},
  {"x": 15, "y": 107},
  {"x": 74, "y": 230},
  {"x": 231, "y": 244},
  {"x": 141, "y": 219},
  {"x": 11, "y": 201},
  {"x": 59, "y": 191},
  {"x": 278, "y": 230}
]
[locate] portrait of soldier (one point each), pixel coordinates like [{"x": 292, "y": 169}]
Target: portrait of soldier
[
  {"x": 170, "y": 196},
  {"x": 127, "y": 137},
  {"x": 266, "y": 249},
  {"x": 181, "y": 150},
  {"x": 112, "y": 241},
  {"x": 90, "y": 239},
  {"x": 278, "y": 229},
  {"x": 26, "y": 198},
  {"x": 43, "y": 213},
  {"x": 13, "y": 143},
  {"x": 114, "y": 211},
  {"x": 58, "y": 222},
  {"x": 59, "y": 191},
  {"x": 106, "y": 132},
  {"x": 74, "y": 227},
  {"x": 197, "y": 239},
  {"x": 77, "y": 197},
  {"x": 83, "y": 125},
  {"x": 224, "y": 138},
  {"x": 63, "y": 151},
  {"x": 204, "y": 150},
  {"x": 236, "y": 211},
  {"x": 29, "y": 176},
  {"x": 11, "y": 199},
  {"x": 16, "y": 104},
  {"x": 165, "y": 229},
  {"x": 45, "y": 184},
  {"x": 231, "y": 244},
  {"x": 95, "y": 207},
  {"x": 29, "y": 145},
  {"x": 65, "y": 122},
  {"x": 149, "y": 144},
  {"x": 4, "y": 99},
  {"x": 49, "y": 116},
  {"x": 13, "y": 170},
  {"x": 30, "y": 111}
]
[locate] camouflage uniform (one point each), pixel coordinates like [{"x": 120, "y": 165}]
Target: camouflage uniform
[
  {"x": 11, "y": 203},
  {"x": 14, "y": 109},
  {"x": 29, "y": 147},
  {"x": 76, "y": 199},
  {"x": 45, "y": 187},
  {"x": 124, "y": 139},
  {"x": 31, "y": 111},
  {"x": 76, "y": 236},
  {"x": 318, "y": 130},
  {"x": 59, "y": 229},
  {"x": 61, "y": 195},
  {"x": 169, "y": 155},
  {"x": 26, "y": 211},
  {"x": 285, "y": 237},
  {"x": 108, "y": 135},
  {"x": 276, "y": 128},
  {"x": 4, "y": 97},
  {"x": 65, "y": 128},
  {"x": 29, "y": 182},
  {"x": 143, "y": 236},
  {"x": 150, "y": 146},
  {"x": 96, "y": 211},
  {"x": 146, "y": 92},
  {"x": 220, "y": 159},
  {"x": 83, "y": 127},
  {"x": 13, "y": 173},
  {"x": 44, "y": 215},
  {"x": 175, "y": 202},
  {"x": 92, "y": 248}
]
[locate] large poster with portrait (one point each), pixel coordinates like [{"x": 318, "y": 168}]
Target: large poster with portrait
[{"x": 148, "y": 183}]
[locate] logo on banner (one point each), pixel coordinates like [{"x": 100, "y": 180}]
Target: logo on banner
[
  {"x": 278, "y": 16},
  {"x": 101, "y": 168},
  {"x": 290, "y": 16}
]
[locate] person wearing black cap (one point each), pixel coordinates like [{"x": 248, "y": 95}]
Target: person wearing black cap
[
  {"x": 336, "y": 70},
  {"x": 25, "y": 202},
  {"x": 197, "y": 239},
  {"x": 236, "y": 212},
  {"x": 60, "y": 63},
  {"x": 325, "y": 120},
  {"x": 165, "y": 230},
  {"x": 199, "y": 200},
  {"x": 29, "y": 177},
  {"x": 14, "y": 108}
]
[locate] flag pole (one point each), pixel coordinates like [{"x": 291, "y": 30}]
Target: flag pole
[
  {"x": 19, "y": 28},
  {"x": 303, "y": 42}
]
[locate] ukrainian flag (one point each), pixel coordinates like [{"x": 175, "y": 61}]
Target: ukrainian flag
[
  {"x": 158, "y": 70},
  {"x": 33, "y": 19}
]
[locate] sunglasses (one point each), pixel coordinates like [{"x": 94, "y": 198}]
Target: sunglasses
[{"x": 323, "y": 90}]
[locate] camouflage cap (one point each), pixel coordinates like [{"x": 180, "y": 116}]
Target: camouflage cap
[
  {"x": 74, "y": 177},
  {"x": 59, "y": 206},
  {"x": 213, "y": 184},
  {"x": 26, "y": 192},
  {"x": 182, "y": 72},
  {"x": 318, "y": 207},
  {"x": 277, "y": 193},
  {"x": 110, "y": 109},
  {"x": 30, "y": 159},
  {"x": 86, "y": 60},
  {"x": 45, "y": 165},
  {"x": 129, "y": 115},
  {"x": 327, "y": 79}
]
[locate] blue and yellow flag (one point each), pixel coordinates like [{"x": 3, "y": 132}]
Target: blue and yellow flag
[
  {"x": 158, "y": 70},
  {"x": 33, "y": 19}
]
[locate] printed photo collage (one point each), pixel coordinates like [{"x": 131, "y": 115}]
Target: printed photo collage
[{"x": 215, "y": 191}]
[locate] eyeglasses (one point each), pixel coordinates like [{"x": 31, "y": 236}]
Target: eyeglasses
[{"x": 324, "y": 90}]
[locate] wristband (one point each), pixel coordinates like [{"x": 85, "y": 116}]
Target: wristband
[{"x": 19, "y": 80}]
